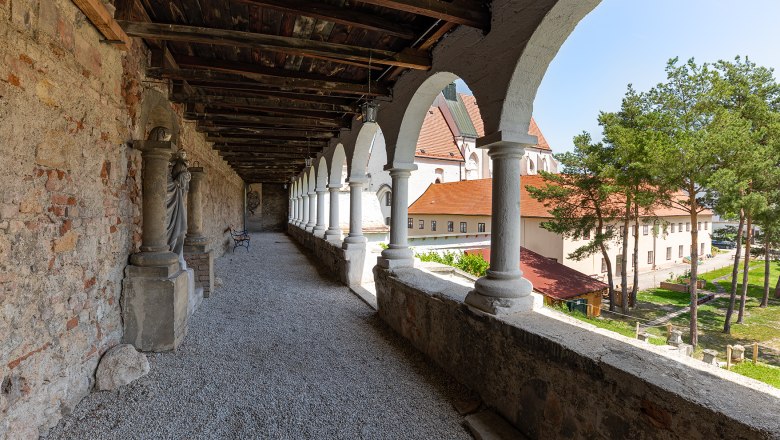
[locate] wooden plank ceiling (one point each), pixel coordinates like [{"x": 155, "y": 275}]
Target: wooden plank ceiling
[{"x": 270, "y": 82}]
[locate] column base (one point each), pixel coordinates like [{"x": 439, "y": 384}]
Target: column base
[
  {"x": 396, "y": 258},
  {"x": 154, "y": 259},
  {"x": 504, "y": 306},
  {"x": 333, "y": 235},
  {"x": 354, "y": 242},
  {"x": 319, "y": 231},
  {"x": 196, "y": 241},
  {"x": 155, "y": 307},
  {"x": 309, "y": 228}
]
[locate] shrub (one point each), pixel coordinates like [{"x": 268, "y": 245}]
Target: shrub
[{"x": 474, "y": 264}]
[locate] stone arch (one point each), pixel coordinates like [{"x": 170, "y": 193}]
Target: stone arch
[
  {"x": 312, "y": 183},
  {"x": 414, "y": 115},
  {"x": 337, "y": 163},
  {"x": 546, "y": 40},
  {"x": 382, "y": 193},
  {"x": 362, "y": 148},
  {"x": 472, "y": 166},
  {"x": 322, "y": 174},
  {"x": 156, "y": 111}
]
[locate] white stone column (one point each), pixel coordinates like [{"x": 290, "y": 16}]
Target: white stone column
[
  {"x": 355, "y": 237},
  {"x": 312, "y": 211},
  {"x": 306, "y": 213},
  {"x": 299, "y": 210},
  {"x": 290, "y": 207},
  {"x": 398, "y": 253},
  {"x": 334, "y": 230},
  {"x": 319, "y": 228},
  {"x": 504, "y": 290}
]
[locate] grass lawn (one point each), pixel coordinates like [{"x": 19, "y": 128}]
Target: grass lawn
[
  {"x": 764, "y": 373},
  {"x": 760, "y": 325}
]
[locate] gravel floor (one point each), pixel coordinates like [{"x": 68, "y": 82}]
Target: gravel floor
[{"x": 279, "y": 352}]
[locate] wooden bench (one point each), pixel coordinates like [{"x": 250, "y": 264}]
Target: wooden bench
[{"x": 240, "y": 239}]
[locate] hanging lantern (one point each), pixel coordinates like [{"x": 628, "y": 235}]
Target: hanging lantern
[
  {"x": 308, "y": 161},
  {"x": 370, "y": 111}
]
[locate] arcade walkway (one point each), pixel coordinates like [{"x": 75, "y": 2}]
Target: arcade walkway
[{"x": 279, "y": 352}]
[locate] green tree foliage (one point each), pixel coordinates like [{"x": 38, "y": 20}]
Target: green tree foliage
[
  {"x": 474, "y": 264},
  {"x": 580, "y": 201}
]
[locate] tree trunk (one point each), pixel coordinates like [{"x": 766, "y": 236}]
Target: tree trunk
[
  {"x": 777, "y": 288},
  {"x": 735, "y": 273},
  {"x": 635, "y": 287},
  {"x": 694, "y": 268},
  {"x": 624, "y": 258},
  {"x": 765, "y": 299},
  {"x": 610, "y": 279},
  {"x": 745, "y": 270}
]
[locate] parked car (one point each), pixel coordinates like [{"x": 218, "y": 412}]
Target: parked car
[{"x": 724, "y": 244}]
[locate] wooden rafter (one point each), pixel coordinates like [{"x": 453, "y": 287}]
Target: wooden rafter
[
  {"x": 296, "y": 46},
  {"x": 99, "y": 16},
  {"x": 264, "y": 103},
  {"x": 291, "y": 82},
  {"x": 466, "y": 12},
  {"x": 336, "y": 14}
]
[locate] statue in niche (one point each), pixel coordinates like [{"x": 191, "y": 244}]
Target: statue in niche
[
  {"x": 176, "y": 208},
  {"x": 160, "y": 134}
]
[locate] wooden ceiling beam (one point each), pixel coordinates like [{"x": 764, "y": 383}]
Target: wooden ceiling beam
[
  {"x": 408, "y": 58},
  {"x": 269, "y": 111},
  {"x": 261, "y": 103},
  {"x": 335, "y": 14},
  {"x": 301, "y": 123},
  {"x": 279, "y": 80},
  {"x": 99, "y": 16},
  {"x": 466, "y": 12},
  {"x": 208, "y": 89}
]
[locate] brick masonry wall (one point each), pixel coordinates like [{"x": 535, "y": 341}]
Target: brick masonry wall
[{"x": 70, "y": 204}]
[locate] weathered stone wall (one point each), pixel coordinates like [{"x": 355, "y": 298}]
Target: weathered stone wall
[
  {"x": 274, "y": 203},
  {"x": 554, "y": 377},
  {"x": 346, "y": 264},
  {"x": 70, "y": 204}
]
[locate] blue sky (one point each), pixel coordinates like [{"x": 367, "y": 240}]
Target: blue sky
[{"x": 629, "y": 41}]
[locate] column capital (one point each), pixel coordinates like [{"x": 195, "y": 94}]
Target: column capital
[
  {"x": 400, "y": 167},
  {"x": 321, "y": 191},
  {"x": 334, "y": 188},
  {"x": 507, "y": 137},
  {"x": 357, "y": 183}
]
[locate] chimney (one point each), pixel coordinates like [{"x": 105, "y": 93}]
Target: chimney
[{"x": 450, "y": 93}]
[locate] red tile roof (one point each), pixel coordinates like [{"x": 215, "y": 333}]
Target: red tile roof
[
  {"x": 476, "y": 118},
  {"x": 549, "y": 277},
  {"x": 475, "y": 197},
  {"x": 436, "y": 140}
]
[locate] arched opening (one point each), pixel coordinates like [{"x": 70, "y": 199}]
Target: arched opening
[{"x": 472, "y": 167}]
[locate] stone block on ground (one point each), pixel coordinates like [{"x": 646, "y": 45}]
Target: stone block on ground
[
  {"x": 710, "y": 357},
  {"x": 120, "y": 366},
  {"x": 675, "y": 338},
  {"x": 737, "y": 354}
]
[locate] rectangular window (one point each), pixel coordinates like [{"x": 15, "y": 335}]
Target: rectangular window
[
  {"x": 462, "y": 226},
  {"x": 672, "y": 230},
  {"x": 480, "y": 227},
  {"x": 610, "y": 229},
  {"x": 702, "y": 249},
  {"x": 603, "y": 265},
  {"x": 681, "y": 251},
  {"x": 410, "y": 222},
  {"x": 586, "y": 234},
  {"x": 633, "y": 230},
  {"x": 705, "y": 225},
  {"x": 433, "y": 225},
  {"x": 698, "y": 226},
  {"x": 645, "y": 229},
  {"x": 649, "y": 257},
  {"x": 679, "y": 227},
  {"x": 450, "y": 227},
  {"x": 622, "y": 231},
  {"x": 388, "y": 198},
  {"x": 387, "y": 221},
  {"x": 669, "y": 253},
  {"x": 422, "y": 224},
  {"x": 688, "y": 227}
]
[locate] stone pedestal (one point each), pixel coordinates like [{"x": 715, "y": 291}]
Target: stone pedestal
[
  {"x": 201, "y": 262},
  {"x": 155, "y": 306},
  {"x": 710, "y": 357}
]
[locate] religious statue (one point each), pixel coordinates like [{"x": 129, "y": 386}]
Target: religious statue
[
  {"x": 176, "y": 208},
  {"x": 160, "y": 134}
]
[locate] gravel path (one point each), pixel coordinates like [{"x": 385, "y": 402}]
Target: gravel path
[{"x": 278, "y": 352}]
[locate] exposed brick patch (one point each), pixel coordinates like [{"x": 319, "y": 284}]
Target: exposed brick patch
[
  {"x": 15, "y": 363},
  {"x": 72, "y": 323}
]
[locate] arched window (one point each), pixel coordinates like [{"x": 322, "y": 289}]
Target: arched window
[
  {"x": 472, "y": 167},
  {"x": 439, "y": 175}
]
